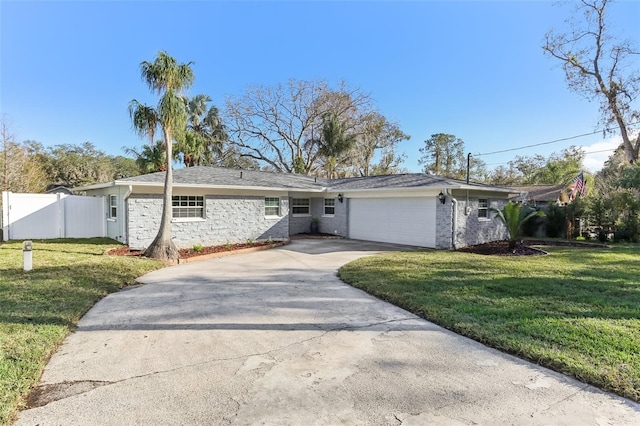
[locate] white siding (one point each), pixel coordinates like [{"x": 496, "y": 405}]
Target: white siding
[{"x": 410, "y": 221}]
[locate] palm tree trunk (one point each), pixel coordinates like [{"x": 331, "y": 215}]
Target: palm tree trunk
[{"x": 162, "y": 246}]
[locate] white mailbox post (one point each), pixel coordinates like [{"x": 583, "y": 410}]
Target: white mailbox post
[{"x": 27, "y": 251}]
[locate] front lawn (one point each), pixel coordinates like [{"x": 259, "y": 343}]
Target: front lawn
[
  {"x": 576, "y": 310},
  {"x": 38, "y": 309}
]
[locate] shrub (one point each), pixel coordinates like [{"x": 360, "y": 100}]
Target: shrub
[
  {"x": 530, "y": 227},
  {"x": 603, "y": 236},
  {"x": 556, "y": 221},
  {"x": 198, "y": 248},
  {"x": 514, "y": 215}
]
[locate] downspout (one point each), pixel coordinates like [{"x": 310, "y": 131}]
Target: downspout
[
  {"x": 125, "y": 225},
  {"x": 454, "y": 227}
]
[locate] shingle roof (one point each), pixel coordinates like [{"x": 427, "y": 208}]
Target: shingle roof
[
  {"x": 218, "y": 176},
  {"x": 408, "y": 180},
  {"x": 548, "y": 193}
]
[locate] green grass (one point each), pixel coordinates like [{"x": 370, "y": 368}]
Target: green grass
[
  {"x": 39, "y": 308},
  {"x": 576, "y": 310}
]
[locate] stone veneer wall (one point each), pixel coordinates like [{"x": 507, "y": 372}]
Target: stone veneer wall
[
  {"x": 228, "y": 219},
  {"x": 471, "y": 229},
  {"x": 443, "y": 224},
  {"x": 336, "y": 224},
  {"x": 300, "y": 224}
]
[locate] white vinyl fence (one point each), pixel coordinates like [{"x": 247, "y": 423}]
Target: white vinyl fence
[{"x": 44, "y": 216}]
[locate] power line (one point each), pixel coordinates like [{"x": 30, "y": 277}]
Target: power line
[
  {"x": 553, "y": 141},
  {"x": 586, "y": 153},
  {"x": 602, "y": 150}
]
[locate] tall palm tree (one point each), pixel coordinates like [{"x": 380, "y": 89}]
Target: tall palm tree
[
  {"x": 334, "y": 142},
  {"x": 218, "y": 135},
  {"x": 166, "y": 77},
  {"x": 205, "y": 135},
  {"x": 514, "y": 215},
  {"x": 145, "y": 119},
  {"x": 151, "y": 158}
]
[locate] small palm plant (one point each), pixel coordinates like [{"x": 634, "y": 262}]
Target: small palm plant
[{"x": 514, "y": 215}]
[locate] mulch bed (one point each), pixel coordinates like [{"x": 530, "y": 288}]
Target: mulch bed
[
  {"x": 501, "y": 248},
  {"x": 187, "y": 253},
  {"x": 124, "y": 251}
]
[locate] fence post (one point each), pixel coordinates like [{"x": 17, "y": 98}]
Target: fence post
[
  {"x": 60, "y": 216},
  {"x": 104, "y": 215},
  {"x": 5, "y": 215}
]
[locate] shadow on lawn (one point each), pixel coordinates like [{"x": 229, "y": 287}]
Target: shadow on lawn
[
  {"x": 83, "y": 245},
  {"x": 58, "y": 295}
]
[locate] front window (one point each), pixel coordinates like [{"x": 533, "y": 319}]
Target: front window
[
  {"x": 329, "y": 206},
  {"x": 272, "y": 206},
  {"x": 113, "y": 206},
  {"x": 483, "y": 208},
  {"x": 300, "y": 206},
  {"x": 188, "y": 206}
]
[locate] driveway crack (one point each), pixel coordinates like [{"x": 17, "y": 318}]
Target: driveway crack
[
  {"x": 47, "y": 393},
  {"x": 571, "y": 395},
  {"x": 358, "y": 327}
]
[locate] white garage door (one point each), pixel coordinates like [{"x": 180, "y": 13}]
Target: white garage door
[{"x": 409, "y": 221}]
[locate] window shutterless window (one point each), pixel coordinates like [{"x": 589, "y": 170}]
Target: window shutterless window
[
  {"x": 300, "y": 206},
  {"x": 329, "y": 206},
  {"x": 483, "y": 208},
  {"x": 272, "y": 206},
  {"x": 113, "y": 206},
  {"x": 187, "y": 206}
]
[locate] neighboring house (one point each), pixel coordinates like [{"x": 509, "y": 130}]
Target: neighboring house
[
  {"x": 213, "y": 206},
  {"x": 58, "y": 189},
  {"x": 542, "y": 195}
]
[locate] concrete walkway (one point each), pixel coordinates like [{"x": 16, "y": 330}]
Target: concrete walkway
[{"x": 275, "y": 338}]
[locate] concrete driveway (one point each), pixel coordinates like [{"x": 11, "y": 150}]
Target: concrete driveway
[{"x": 275, "y": 338}]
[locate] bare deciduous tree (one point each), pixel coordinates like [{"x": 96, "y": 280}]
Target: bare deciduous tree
[
  {"x": 596, "y": 65},
  {"x": 280, "y": 125},
  {"x": 376, "y": 134},
  {"x": 21, "y": 171}
]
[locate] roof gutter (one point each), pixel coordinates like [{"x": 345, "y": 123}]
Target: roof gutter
[
  {"x": 454, "y": 225},
  {"x": 130, "y": 184}
]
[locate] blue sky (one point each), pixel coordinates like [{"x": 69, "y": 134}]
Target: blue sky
[{"x": 474, "y": 69}]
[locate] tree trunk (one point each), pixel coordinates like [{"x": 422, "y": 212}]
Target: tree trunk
[
  {"x": 512, "y": 244},
  {"x": 162, "y": 246}
]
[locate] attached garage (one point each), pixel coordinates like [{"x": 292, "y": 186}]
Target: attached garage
[{"x": 410, "y": 221}]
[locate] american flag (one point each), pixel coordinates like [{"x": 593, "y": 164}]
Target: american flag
[{"x": 578, "y": 186}]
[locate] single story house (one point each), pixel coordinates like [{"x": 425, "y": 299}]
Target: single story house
[
  {"x": 213, "y": 206},
  {"x": 542, "y": 195}
]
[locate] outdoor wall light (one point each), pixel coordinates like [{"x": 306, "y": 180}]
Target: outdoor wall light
[
  {"x": 340, "y": 197},
  {"x": 441, "y": 197}
]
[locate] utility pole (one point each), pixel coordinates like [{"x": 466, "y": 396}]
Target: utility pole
[{"x": 468, "y": 166}]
